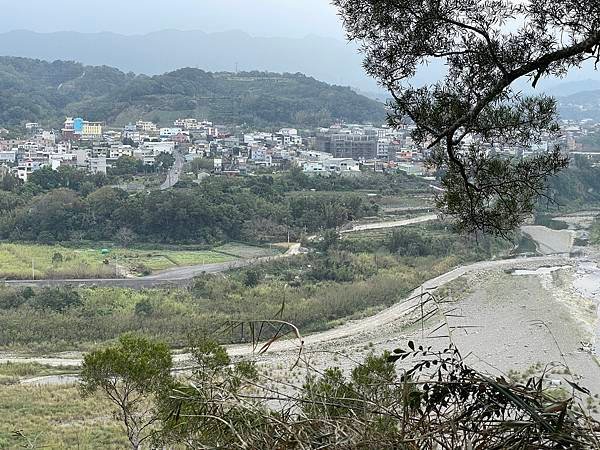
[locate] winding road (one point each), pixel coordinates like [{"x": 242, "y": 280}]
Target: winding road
[
  {"x": 182, "y": 276},
  {"x": 352, "y": 328}
]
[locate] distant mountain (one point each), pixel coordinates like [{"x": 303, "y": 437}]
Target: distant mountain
[
  {"x": 34, "y": 90},
  {"x": 325, "y": 59},
  {"x": 572, "y": 87},
  {"x": 580, "y": 106}
]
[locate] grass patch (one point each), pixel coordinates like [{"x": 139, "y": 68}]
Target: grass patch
[
  {"x": 18, "y": 261},
  {"x": 246, "y": 251},
  {"x": 12, "y": 373},
  {"x": 56, "y": 417}
]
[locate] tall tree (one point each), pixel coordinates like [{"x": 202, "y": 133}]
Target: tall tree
[
  {"x": 130, "y": 374},
  {"x": 488, "y": 46}
]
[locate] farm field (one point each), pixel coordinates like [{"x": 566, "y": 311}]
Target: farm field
[
  {"x": 24, "y": 261},
  {"x": 240, "y": 250}
]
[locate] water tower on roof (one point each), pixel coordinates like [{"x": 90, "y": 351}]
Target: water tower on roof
[{"x": 78, "y": 125}]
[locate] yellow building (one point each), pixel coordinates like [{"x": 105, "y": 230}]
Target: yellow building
[{"x": 91, "y": 130}]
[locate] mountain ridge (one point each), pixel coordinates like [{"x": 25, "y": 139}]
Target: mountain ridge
[
  {"x": 326, "y": 59},
  {"x": 36, "y": 90}
]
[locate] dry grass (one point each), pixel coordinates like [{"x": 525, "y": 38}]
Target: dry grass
[
  {"x": 56, "y": 417},
  {"x": 16, "y": 261}
]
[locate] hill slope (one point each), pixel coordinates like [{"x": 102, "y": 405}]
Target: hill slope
[
  {"x": 331, "y": 60},
  {"x": 580, "y": 106},
  {"x": 34, "y": 90}
]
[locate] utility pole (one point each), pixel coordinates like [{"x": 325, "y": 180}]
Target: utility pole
[{"x": 32, "y": 269}]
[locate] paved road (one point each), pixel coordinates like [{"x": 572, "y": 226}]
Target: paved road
[
  {"x": 174, "y": 173},
  {"x": 353, "y": 328},
  {"x": 184, "y": 275},
  {"x": 177, "y": 276}
]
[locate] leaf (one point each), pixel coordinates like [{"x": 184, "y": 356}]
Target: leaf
[
  {"x": 411, "y": 344},
  {"x": 393, "y": 358},
  {"x": 579, "y": 388}
]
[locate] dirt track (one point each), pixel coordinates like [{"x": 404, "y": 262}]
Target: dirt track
[
  {"x": 354, "y": 329},
  {"x": 374, "y": 323}
]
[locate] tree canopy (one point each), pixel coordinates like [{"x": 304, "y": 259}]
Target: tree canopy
[
  {"x": 34, "y": 90},
  {"x": 129, "y": 374},
  {"x": 488, "y": 47}
]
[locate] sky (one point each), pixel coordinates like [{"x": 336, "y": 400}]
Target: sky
[
  {"x": 284, "y": 18},
  {"x": 264, "y": 18}
]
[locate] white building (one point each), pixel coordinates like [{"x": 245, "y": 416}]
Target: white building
[
  {"x": 159, "y": 147},
  {"x": 332, "y": 165},
  {"x": 8, "y": 156},
  {"x": 338, "y": 165},
  {"x": 383, "y": 148},
  {"x": 145, "y": 126},
  {"x": 26, "y": 168},
  {"x": 188, "y": 124},
  {"x": 48, "y": 137},
  {"x": 166, "y": 133},
  {"x": 313, "y": 155},
  {"x": 97, "y": 165},
  {"x": 116, "y": 151}
]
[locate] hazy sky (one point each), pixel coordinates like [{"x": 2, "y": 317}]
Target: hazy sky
[{"x": 293, "y": 18}]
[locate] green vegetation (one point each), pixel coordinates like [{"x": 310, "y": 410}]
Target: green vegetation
[
  {"x": 55, "y": 417},
  {"x": 17, "y": 261},
  {"x": 595, "y": 232},
  {"x": 347, "y": 278},
  {"x": 45, "y": 92},
  {"x": 549, "y": 222},
  {"x": 591, "y": 142},
  {"x": 12, "y": 373},
  {"x": 235, "y": 405},
  {"x": 575, "y": 188},
  {"x": 130, "y": 374},
  {"x": 252, "y": 209}
]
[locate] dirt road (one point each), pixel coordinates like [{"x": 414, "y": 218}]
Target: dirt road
[
  {"x": 390, "y": 224},
  {"x": 351, "y": 329}
]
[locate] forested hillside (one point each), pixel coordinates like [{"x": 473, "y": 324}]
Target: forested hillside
[
  {"x": 34, "y": 90},
  {"x": 580, "y": 106}
]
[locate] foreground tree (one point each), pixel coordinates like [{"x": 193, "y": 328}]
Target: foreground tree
[
  {"x": 411, "y": 398},
  {"x": 488, "y": 46},
  {"x": 207, "y": 409},
  {"x": 131, "y": 374}
]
